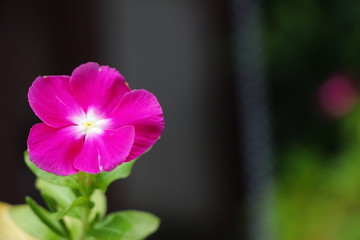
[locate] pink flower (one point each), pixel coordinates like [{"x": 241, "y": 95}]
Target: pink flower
[
  {"x": 92, "y": 121},
  {"x": 337, "y": 95}
]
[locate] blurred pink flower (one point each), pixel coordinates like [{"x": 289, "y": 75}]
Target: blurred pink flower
[
  {"x": 338, "y": 95},
  {"x": 92, "y": 121}
]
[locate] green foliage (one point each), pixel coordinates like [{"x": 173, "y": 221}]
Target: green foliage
[
  {"x": 25, "y": 218},
  {"x": 318, "y": 194},
  {"x": 99, "y": 210},
  {"x": 63, "y": 196},
  {"x": 126, "y": 225},
  {"x": 104, "y": 179},
  {"x": 46, "y": 218},
  {"x": 77, "y": 208},
  {"x": 143, "y": 223}
]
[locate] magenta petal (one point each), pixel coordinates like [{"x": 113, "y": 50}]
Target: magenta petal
[
  {"x": 52, "y": 101},
  {"x": 105, "y": 151},
  {"x": 97, "y": 86},
  {"x": 141, "y": 109},
  {"x": 54, "y": 149}
]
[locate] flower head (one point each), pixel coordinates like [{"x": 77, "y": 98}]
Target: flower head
[
  {"x": 92, "y": 121},
  {"x": 337, "y": 95}
]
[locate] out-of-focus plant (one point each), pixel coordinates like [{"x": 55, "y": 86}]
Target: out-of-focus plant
[
  {"x": 318, "y": 192},
  {"x": 317, "y": 158}
]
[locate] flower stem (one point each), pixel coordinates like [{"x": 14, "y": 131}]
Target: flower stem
[
  {"x": 85, "y": 223},
  {"x": 86, "y": 188}
]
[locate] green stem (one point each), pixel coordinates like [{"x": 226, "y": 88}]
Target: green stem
[
  {"x": 85, "y": 222},
  {"x": 86, "y": 189}
]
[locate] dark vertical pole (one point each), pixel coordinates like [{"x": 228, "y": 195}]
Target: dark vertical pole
[{"x": 253, "y": 114}]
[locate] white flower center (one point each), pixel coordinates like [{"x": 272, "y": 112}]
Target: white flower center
[{"x": 91, "y": 123}]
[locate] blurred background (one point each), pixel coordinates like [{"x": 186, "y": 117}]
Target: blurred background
[{"x": 260, "y": 101}]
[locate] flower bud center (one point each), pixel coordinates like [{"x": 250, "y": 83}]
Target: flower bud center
[
  {"x": 88, "y": 125},
  {"x": 91, "y": 123}
]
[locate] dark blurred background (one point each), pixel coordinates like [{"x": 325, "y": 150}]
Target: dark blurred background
[{"x": 260, "y": 104}]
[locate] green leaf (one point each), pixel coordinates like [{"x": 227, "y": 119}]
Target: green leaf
[
  {"x": 75, "y": 203},
  {"x": 75, "y": 226},
  {"x": 114, "y": 227},
  {"x": 104, "y": 179},
  {"x": 50, "y": 202},
  {"x": 99, "y": 199},
  {"x": 25, "y": 218},
  {"x": 63, "y": 196},
  {"x": 143, "y": 223},
  {"x": 46, "y": 217},
  {"x": 126, "y": 225},
  {"x": 52, "y": 205},
  {"x": 69, "y": 181}
]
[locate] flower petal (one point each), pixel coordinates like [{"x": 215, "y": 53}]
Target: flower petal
[
  {"x": 54, "y": 149},
  {"x": 141, "y": 109},
  {"x": 52, "y": 101},
  {"x": 105, "y": 151},
  {"x": 97, "y": 86}
]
